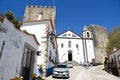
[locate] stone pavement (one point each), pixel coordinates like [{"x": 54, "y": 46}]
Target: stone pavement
[{"x": 94, "y": 73}]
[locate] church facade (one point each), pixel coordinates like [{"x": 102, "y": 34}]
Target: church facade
[{"x": 73, "y": 47}]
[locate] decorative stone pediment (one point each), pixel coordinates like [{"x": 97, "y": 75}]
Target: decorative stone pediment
[{"x": 69, "y": 34}]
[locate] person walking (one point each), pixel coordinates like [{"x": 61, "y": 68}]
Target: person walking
[
  {"x": 106, "y": 64},
  {"x": 38, "y": 73}
]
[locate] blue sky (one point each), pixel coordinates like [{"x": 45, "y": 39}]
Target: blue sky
[{"x": 72, "y": 14}]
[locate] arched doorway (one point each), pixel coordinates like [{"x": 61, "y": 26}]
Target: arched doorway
[{"x": 69, "y": 55}]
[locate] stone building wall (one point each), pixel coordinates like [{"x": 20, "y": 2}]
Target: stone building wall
[
  {"x": 47, "y": 12},
  {"x": 100, "y": 41}
]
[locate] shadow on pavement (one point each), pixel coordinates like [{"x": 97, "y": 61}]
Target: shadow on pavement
[{"x": 60, "y": 77}]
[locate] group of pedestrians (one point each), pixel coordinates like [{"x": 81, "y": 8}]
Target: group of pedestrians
[{"x": 86, "y": 65}]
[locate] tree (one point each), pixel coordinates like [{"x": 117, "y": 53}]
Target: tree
[
  {"x": 114, "y": 40},
  {"x": 1, "y": 18},
  {"x": 113, "y": 31},
  {"x": 9, "y": 15},
  {"x": 17, "y": 23}
]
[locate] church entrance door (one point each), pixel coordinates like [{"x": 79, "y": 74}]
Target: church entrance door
[{"x": 70, "y": 56}]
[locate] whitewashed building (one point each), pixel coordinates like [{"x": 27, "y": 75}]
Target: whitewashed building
[
  {"x": 72, "y": 47},
  {"x": 48, "y": 48},
  {"x": 40, "y": 21},
  {"x": 17, "y": 52}
]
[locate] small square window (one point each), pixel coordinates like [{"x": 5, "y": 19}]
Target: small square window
[
  {"x": 69, "y": 44},
  {"x": 77, "y": 46},
  {"x": 39, "y": 16},
  {"x": 62, "y": 45}
]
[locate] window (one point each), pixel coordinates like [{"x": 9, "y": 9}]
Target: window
[
  {"x": 77, "y": 46},
  {"x": 50, "y": 56},
  {"x": 88, "y": 35},
  {"x": 68, "y": 34},
  {"x": 27, "y": 57},
  {"x": 39, "y": 16},
  {"x": 118, "y": 59},
  {"x": 69, "y": 44},
  {"x": 62, "y": 45}
]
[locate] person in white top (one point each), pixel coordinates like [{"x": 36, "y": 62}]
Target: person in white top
[{"x": 38, "y": 73}]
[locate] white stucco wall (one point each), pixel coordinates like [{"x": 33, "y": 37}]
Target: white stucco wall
[
  {"x": 77, "y": 53},
  {"x": 10, "y": 60},
  {"x": 90, "y": 50},
  {"x": 39, "y": 31},
  {"x": 42, "y": 30},
  {"x": 84, "y": 52}
]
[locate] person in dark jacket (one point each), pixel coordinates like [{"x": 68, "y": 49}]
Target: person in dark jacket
[{"x": 106, "y": 63}]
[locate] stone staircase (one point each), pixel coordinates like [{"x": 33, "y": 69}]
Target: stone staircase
[{"x": 73, "y": 62}]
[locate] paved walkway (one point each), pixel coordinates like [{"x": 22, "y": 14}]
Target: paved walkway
[{"x": 95, "y": 73}]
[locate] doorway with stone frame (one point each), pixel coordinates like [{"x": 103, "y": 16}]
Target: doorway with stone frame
[
  {"x": 28, "y": 62},
  {"x": 70, "y": 55}
]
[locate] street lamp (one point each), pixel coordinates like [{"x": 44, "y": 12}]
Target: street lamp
[
  {"x": 52, "y": 36},
  {"x": 39, "y": 53}
]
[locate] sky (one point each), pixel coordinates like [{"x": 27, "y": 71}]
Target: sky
[{"x": 72, "y": 14}]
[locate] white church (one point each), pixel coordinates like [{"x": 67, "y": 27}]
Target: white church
[{"x": 73, "y": 47}]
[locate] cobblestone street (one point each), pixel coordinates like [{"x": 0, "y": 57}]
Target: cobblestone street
[{"x": 94, "y": 73}]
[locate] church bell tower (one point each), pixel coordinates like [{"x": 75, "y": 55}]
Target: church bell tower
[{"x": 88, "y": 45}]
